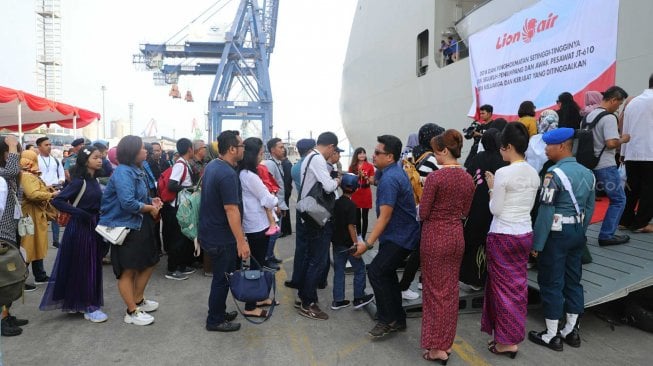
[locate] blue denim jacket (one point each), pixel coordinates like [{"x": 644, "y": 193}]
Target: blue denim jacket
[{"x": 124, "y": 197}]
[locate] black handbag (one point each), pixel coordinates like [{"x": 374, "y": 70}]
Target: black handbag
[{"x": 252, "y": 285}]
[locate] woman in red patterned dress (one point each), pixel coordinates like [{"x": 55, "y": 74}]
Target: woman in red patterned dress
[
  {"x": 445, "y": 202},
  {"x": 362, "y": 198}
]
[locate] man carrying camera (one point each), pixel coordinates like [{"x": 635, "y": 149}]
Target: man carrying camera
[{"x": 52, "y": 174}]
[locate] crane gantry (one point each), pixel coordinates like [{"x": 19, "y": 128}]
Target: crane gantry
[{"x": 241, "y": 88}]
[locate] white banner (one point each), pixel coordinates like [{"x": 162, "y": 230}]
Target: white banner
[{"x": 536, "y": 54}]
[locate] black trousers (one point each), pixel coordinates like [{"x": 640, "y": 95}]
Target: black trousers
[
  {"x": 382, "y": 273},
  {"x": 639, "y": 189},
  {"x": 258, "y": 245},
  {"x": 180, "y": 248},
  {"x": 410, "y": 271}
]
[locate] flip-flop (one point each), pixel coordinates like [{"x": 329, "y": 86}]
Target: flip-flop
[
  {"x": 263, "y": 314},
  {"x": 265, "y": 303},
  {"x": 427, "y": 357}
]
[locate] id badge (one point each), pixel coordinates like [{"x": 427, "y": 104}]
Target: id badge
[{"x": 557, "y": 222}]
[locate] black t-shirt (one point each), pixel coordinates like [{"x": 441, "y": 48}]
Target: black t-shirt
[
  {"x": 344, "y": 215},
  {"x": 220, "y": 186}
]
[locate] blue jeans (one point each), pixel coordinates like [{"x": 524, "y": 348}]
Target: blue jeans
[
  {"x": 339, "y": 260},
  {"x": 271, "y": 243},
  {"x": 317, "y": 251},
  {"x": 224, "y": 259},
  {"x": 299, "y": 265},
  {"x": 559, "y": 272},
  {"x": 609, "y": 181},
  {"x": 55, "y": 231},
  {"x": 383, "y": 278}
]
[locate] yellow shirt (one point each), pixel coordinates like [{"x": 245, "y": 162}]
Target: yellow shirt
[{"x": 530, "y": 124}]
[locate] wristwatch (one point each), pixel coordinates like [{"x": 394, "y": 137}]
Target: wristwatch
[{"x": 368, "y": 245}]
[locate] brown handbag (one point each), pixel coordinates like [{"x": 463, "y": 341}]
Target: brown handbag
[{"x": 64, "y": 217}]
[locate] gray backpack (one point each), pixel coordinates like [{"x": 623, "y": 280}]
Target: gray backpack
[{"x": 13, "y": 273}]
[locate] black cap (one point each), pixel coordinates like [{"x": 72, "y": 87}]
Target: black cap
[{"x": 77, "y": 142}]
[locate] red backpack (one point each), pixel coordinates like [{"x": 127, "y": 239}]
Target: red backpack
[{"x": 164, "y": 193}]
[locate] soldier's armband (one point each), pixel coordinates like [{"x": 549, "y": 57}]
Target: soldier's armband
[{"x": 549, "y": 191}]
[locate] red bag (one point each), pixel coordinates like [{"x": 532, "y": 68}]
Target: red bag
[{"x": 165, "y": 194}]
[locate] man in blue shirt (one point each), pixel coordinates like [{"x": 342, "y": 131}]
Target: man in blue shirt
[
  {"x": 220, "y": 232},
  {"x": 398, "y": 232}
]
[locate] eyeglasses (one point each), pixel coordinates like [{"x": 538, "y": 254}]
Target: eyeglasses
[{"x": 377, "y": 152}]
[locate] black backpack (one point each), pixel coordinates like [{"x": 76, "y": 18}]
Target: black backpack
[{"x": 584, "y": 144}]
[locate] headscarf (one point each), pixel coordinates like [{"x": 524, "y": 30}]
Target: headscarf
[
  {"x": 29, "y": 161},
  {"x": 592, "y": 100},
  {"x": 548, "y": 121},
  {"x": 112, "y": 155},
  {"x": 424, "y": 136}
]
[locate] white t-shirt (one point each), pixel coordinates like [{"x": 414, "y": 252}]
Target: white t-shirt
[
  {"x": 51, "y": 170},
  {"x": 4, "y": 191},
  {"x": 513, "y": 195},
  {"x": 178, "y": 172},
  {"x": 606, "y": 129}
]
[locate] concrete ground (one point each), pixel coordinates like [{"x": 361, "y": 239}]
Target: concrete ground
[{"x": 178, "y": 335}]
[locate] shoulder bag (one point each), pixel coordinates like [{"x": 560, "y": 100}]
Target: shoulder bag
[
  {"x": 252, "y": 285},
  {"x": 316, "y": 207},
  {"x": 64, "y": 217}
]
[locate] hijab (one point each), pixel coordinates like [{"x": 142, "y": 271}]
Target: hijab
[
  {"x": 424, "y": 136},
  {"x": 548, "y": 121},
  {"x": 29, "y": 162},
  {"x": 592, "y": 100}
]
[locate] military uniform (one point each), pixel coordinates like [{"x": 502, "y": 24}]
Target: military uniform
[{"x": 559, "y": 237}]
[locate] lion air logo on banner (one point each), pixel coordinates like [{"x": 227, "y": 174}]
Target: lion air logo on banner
[
  {"x": 529, "y": 30},
  {"x": 542, "y": 51}
]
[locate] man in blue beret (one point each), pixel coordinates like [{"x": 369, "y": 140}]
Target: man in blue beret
[{"x": 566, "y": 207}]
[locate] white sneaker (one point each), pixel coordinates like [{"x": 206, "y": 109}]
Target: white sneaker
[
  {"x": 139, "y": 317},
  {"x": 96, "y": 317},
  {"x": 409, "y": 295},
  {"x": 149, "y": 305},
  {"x": 419, "y": 286}
]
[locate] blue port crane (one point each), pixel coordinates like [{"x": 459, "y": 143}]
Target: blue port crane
[{"x": 241, "y": 88}]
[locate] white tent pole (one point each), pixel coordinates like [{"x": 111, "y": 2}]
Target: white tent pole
[
  {"x": 74, "y": 126},
  {"x": 20, "y": 123}
]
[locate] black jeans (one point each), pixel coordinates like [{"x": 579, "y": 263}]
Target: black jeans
[
  {"x": 639, "y": 176},
  {"x": 410, "y": 271},
  {"x": 317, "y": 252},
  {"x": 362, "y": 220},
  {"x": 38, "y": 270},
  {"x": 382, "y": 273},
  {"x": 224, "y": 259},
  {"x": 180, "y": 248},
  {"x": 258, "y": 243}
]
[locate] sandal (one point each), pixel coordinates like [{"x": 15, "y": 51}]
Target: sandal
[
  {"x": 263, "y": 314},
  {"x": 493, "y": 348},
  {"x": 267, "y": 302},
  {"x": 427, "y": 357}
]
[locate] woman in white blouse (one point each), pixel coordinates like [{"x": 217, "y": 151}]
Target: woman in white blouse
[
  {"x": 535, "y": 155},
  {"x": 512, "y": 194},
  {"x": 256, "y": 198}
]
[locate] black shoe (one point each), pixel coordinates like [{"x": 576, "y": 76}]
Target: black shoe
[
  {"x": 29, "y": 288},
  {"x": 362, "y": 301},
  {"x": 291, "y": 284},
  {"x": 55, "y": 244},
  {"x": 225, "y": 326},
  {"x": 275, "y": 260},
  {"x": 573, "y": 338},
  {"x": 15, "y": 322},
  {"x": 42, "y": 281},
  {"x": 230, "y": 316},
  {"x": 271, "y": 266},
  {"x": 9, "y": 330},
  {"x": 323, "y": 285},
  {"x": 380, "y": 330},
  {"x": 536, "y": 337},
  {"x": 615, "y": 240}
]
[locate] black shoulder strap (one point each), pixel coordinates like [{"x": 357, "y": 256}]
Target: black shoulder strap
[
  {"x": 277, "y": 165},
  {"x": 301, "y": 186},
  {"x": 590, "y": 126}
]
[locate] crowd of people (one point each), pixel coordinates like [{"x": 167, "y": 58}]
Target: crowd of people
[{"x": 520, "y": 197}]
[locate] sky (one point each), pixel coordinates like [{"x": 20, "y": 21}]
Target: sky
[{"x": 100, "y": 37}]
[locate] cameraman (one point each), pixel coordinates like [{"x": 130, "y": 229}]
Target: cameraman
[
  {"x": 52, "y": 174},
  {"x": 477, "y": 128}
]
